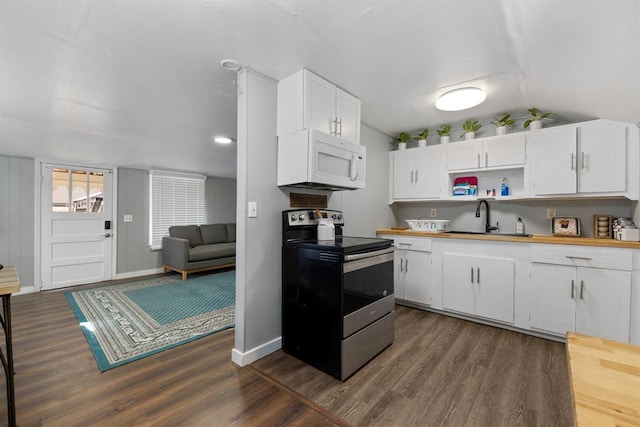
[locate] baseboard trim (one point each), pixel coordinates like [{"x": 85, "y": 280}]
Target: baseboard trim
[
  {"x": 25, "y": 290},
  {"x": 243, "y": 359},
  {"x": 132, "y": 274}
]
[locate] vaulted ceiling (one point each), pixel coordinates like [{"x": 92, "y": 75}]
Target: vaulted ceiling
[{"x": 138, "y": 83}]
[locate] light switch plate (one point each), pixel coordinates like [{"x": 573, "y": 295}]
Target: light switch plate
[
  {"x": 551, "y": 212},
  {"x": 253, "y": 209}
]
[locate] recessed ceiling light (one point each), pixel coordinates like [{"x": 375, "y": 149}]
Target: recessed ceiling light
[
  {"x": 222, "y": 140},
  {"x": 230, "y": 64},
  {"x": 460, "y": 99}
]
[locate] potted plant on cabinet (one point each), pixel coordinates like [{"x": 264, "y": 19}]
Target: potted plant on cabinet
[
  {"x": 444, "y": 133},
  {"x": 535, "y": 122},
  {"x": 470, "y": 128},
  {"x": 403, "y": 138},
  {"x": 502, "y": 123},
  {"x": 422, "y": 138}
]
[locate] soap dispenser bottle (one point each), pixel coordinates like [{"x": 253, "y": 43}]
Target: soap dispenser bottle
[
  {"x": 504, "y": 188},
  {"x": 519, "y": 226}
]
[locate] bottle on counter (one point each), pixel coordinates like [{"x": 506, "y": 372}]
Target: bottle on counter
[{"x": 519, "y": 226}]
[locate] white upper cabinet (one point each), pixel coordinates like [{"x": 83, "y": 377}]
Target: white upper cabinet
[
  {"x": 583, "y": 158},
  {"x": 307, "y": 101},
  {"x": 416, "y": 173},
  {"x": 494, "y": 152}
]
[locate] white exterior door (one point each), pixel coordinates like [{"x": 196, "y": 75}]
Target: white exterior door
[{"x": 76, "y": 228}]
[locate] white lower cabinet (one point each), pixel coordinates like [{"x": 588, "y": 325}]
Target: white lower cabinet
[
  {"x": 591, "y": 301},
  {"x": 576, "y": 294},
  {"x": 479, "y": 286},
  {"x": 412, "y": 270}
]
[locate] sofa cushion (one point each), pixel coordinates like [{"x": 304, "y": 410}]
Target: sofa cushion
[
  {"x": 213, "y": 233},
  {"x": 189, "y": 232},
  {"x": 231, "y": 232},
  {"x": 217, "y": 250}
]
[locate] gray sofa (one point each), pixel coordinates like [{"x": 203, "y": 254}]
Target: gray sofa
[{"x": 192, "y": 248}]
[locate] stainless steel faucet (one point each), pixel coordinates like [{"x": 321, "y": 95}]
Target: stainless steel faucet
[{"x": 487, "y": 227}]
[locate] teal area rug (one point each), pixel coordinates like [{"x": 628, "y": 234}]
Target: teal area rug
[{"x": 129, "y": 321}]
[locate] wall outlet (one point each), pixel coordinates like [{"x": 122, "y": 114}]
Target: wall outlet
[
  {"x": 551, "y": 212},
  {"x": 434, "y": 213},
  {"x": 128, "y": 218}
]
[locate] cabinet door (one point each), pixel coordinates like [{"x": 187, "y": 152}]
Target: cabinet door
[
  {"x": 348, "y": 114},
  {"x": 399, "y": 275},
  {"x": 554, "y": 161},
  {"x": 427, "y": 172},
  {"x": 553, "y": 303},
  {"x": 464, "y": 155},
  {"x": 403, "y": 175},
  {"x": 603, "y": 303},
  {"x": 601, "y": 157},
  {"x": 494, "y": 284},
  {"x": 418, "y": 277},
  {"x": 457, "y": 293},
  {"x": 320, "y": 100},
  {"x": 507, "y": 150}
]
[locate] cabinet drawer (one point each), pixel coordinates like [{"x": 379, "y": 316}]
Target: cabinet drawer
[
  {"x": 583, "y": 256},
  {"x": 413, "y": 243}
]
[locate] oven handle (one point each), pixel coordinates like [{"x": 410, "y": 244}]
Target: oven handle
[
  {"x": 368, "y": 254},
  {"x": 367, "y": 262}
]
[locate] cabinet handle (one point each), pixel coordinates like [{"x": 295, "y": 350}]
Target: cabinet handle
[
  {"x": 478, "y": 275},
  {"x": 486, "y": 160},
  {"x": 406, "y": 265},
  {"x": 582, "y": 160},
  {"x": 331, "y": 127},
  {"x": 581, "y": 288},
  {"x": 401, "y": 264},
  {"x": 573, "y": 283},
  {"x": 584, "y": 258},
  {"x": 573, "y": 160},
  {"x": 471, "y": 274},
  {"x": 339, "y": 134},
  {"x": 478, "y": 159},
  {"x": 417, "y": 176}
]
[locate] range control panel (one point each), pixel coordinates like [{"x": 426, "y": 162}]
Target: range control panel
[{"x": 311, "y": 216}]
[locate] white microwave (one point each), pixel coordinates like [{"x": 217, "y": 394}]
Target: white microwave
[{"x": 314, "y": 159}]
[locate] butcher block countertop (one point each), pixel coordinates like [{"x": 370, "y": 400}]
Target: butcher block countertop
[
  {"x": 605, "y": 381},
  {"x": 9, "y": 282},
  {"x": 536, "y": 238}
]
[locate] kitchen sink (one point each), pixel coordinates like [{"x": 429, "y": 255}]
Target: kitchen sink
[{"x": 491, "y": 234}]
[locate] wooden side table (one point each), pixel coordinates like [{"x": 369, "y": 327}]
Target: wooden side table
[{"x": 9, "y": 283}]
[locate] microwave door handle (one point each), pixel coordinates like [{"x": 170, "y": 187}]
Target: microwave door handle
[{"x": 353, "y": 172}]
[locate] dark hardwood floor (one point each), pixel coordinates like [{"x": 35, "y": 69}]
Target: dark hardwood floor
[{"x": 439, "y": 371}]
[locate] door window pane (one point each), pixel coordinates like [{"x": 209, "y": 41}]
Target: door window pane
[{"x": 77, "y": 191}]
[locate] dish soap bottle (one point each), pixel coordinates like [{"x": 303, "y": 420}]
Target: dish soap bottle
[
  {"x": 504, "y": 189},
  {"x": 519, "y": 226}
]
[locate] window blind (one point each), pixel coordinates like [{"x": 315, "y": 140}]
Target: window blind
[{"x": 175, "y": 199}]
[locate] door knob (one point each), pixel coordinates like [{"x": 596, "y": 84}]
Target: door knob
[{"x": 107, "y": 235}]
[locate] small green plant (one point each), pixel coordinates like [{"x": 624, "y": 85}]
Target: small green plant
[
  {"x": 505, "y": 120},
  {"x": 422, "y": 135},
  {"x": 535, "y": 116},
  {"x": 445, "y": 130},
  {"x": 403, "y": 137},
  {"x": 471, "y": 126}
]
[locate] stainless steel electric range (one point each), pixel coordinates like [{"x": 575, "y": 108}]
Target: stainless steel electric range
[{"x": 337, "y": 295}]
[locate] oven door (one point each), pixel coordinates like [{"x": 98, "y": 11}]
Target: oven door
[{"x": 368, "y": 289}]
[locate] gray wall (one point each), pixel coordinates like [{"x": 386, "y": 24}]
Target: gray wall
[
  {"x": 220, "y": 200},
  {"x": 259, "y": 240},
  {"x": 17, "y": 216},
  {"x": 133, "y": 253}
]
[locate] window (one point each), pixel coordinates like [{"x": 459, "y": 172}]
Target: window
[
  {"x": 176, "y": 199},
  {"x": 77, "y": 191}
]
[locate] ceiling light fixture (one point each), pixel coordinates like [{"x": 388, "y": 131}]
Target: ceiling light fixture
[
  {"x": 460, "y": 99},
  {"x": 230, "y": 64},
  {"x": 222, "y": 140}
]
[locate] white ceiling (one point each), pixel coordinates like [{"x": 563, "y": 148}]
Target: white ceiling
[{"x": 138, "y": 83}]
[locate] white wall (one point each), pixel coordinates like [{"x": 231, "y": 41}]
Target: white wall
[
  {"x": 220, "y": 199},
  {"x": 259, "y": 240}
]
